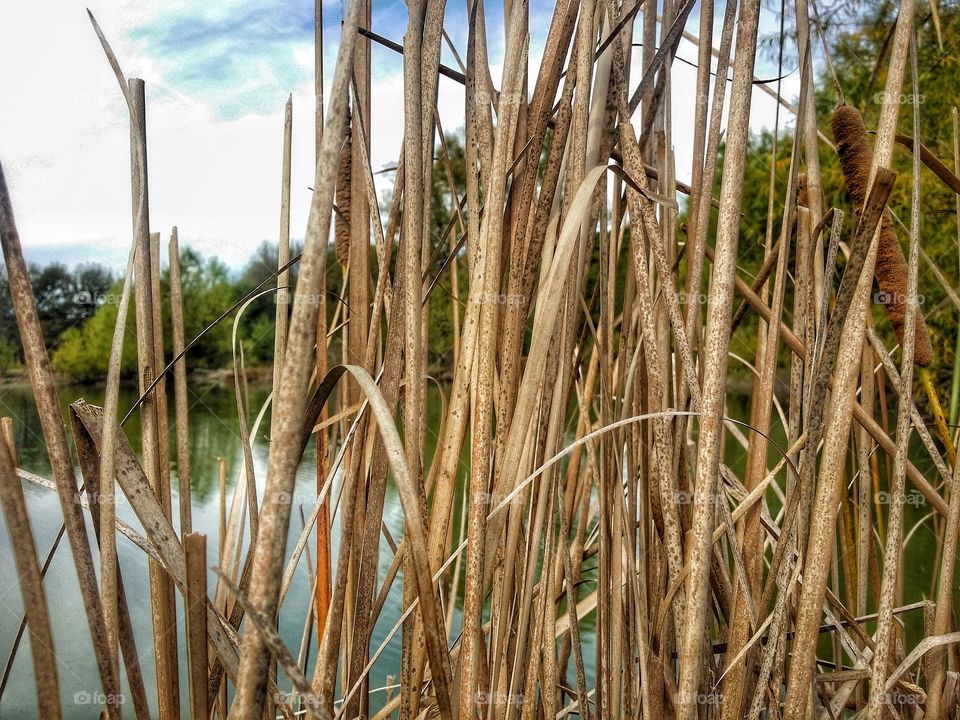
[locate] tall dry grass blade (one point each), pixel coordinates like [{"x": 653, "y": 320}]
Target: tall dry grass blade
[
  {"x": 416, "y": 156},
  {"x": 31, "y": 584},
  {"x": 290, "y": 405},
  {"x": 266, "y": 627},
  {"x": 91, "y": 466},
  {"x": 891, "y": 558},
  {"x": 55, "y": 437},
  {"x": 283, "y": 252},
  {"x": 372, "y": 510},
  {"x": 160, "y": 379},
  {"x": 699, "y": 223},
  {"x": 138, "y": 168},
  {"x": 951, "y": 531},
  {"x": 719, "y": 312},
  {"x": 742, "y": 623},
  {"x": 807, "y": 120},
  {"x": 486, "y": 263},
  {"x": 168, "y": 551},
  {"x": 161, "y": 595},
  {"x": 838, "y": 423},
  {"x": 323, "y": 521},
  {"x": 182, "y": 409},
  {"x": 107, "y": 501},
  {"x": 195, "y": 600}
]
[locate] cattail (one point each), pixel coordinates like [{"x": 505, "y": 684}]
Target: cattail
[
  {"x": 344, "y": 179},
  {"x": 803, "y": 195},
  {"x": 856, "y": 158}
]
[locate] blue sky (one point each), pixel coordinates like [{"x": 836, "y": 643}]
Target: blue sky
[{"x": 217, "y": 77}]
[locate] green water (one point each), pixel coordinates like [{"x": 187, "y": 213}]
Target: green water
[
  {"x": 213, "y": 433},
  {"x": 920, "y": 562}
]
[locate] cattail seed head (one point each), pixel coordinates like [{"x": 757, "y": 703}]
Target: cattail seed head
[
  {"x": 856, "y": 159},
  {"x": 344, "y": 180}
]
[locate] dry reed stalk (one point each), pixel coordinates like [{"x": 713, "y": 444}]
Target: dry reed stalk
[
  {"x": 195, "y": 600},
  {"x": 807, "y": 120},
  {"x": 343, "y": 197},
  {"x": 107, "y": 501},
  {"x": 872, "y": 427},
  {"x": 838, "y": 423},
  {"x": 162, "y": 612},
  {"x": 322, "y": 603},
  {"x": 913, "y": 353},
  {"x": 160, "y": 380},
  {"x": 31, "y": 583},
  {"x": 524, "y": 247},
  {"x": 222, "y": 531},
  {"x": 370, "y": 509},
  {"x": 719, "y": 310},
  {"x": 936, "y": 693},
  {"x": 744, "y": 617},
  {"x": 357, "y": 280},
  {"x": 326, "y": 670},
  {"x": 91, "y": 466},
  {"x": 487, "y": 266},
  {"x": 700, "y": 125},
  {"x": 700, "y": 223},
  {"x": 180, "y": 385},
  {"x": 45, "y": 394},
  {"x": 290, "y": 405},
  {"x": 167, "y": 549},
  {"x": 359, "y": 244},
  {"x": 415, "y": 177},
  {"x": 283, "y": 252},
  {"x": 8, "y": 432},
  {"x": 369, "y": 549},
  {"x": 936, "y": 679},
  {"x": 662, "y": 448}
]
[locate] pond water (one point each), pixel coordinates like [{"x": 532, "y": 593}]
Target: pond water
[{"x": 214, "y": 434}]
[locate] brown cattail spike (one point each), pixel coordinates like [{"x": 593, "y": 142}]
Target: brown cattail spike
[
  {"x": 344, "y": 175},
  {"x": 856, "y": 158},
  {"x": 803, "y": 196}
]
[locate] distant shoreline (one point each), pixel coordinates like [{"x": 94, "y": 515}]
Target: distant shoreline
[{"x": 20, "y": 378}]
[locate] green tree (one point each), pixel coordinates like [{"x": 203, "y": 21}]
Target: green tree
[
  {"x": 64, "y": 299},
  {"x": 207, "y": 292},
  {"x": 858, "y": 38},
  {"x": 83, "y": 351}
]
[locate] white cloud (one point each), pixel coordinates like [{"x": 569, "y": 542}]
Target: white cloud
[{"x": 216, "y": 175}]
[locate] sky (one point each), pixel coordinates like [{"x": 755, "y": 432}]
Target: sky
[{"x": 217, "y": 76}]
